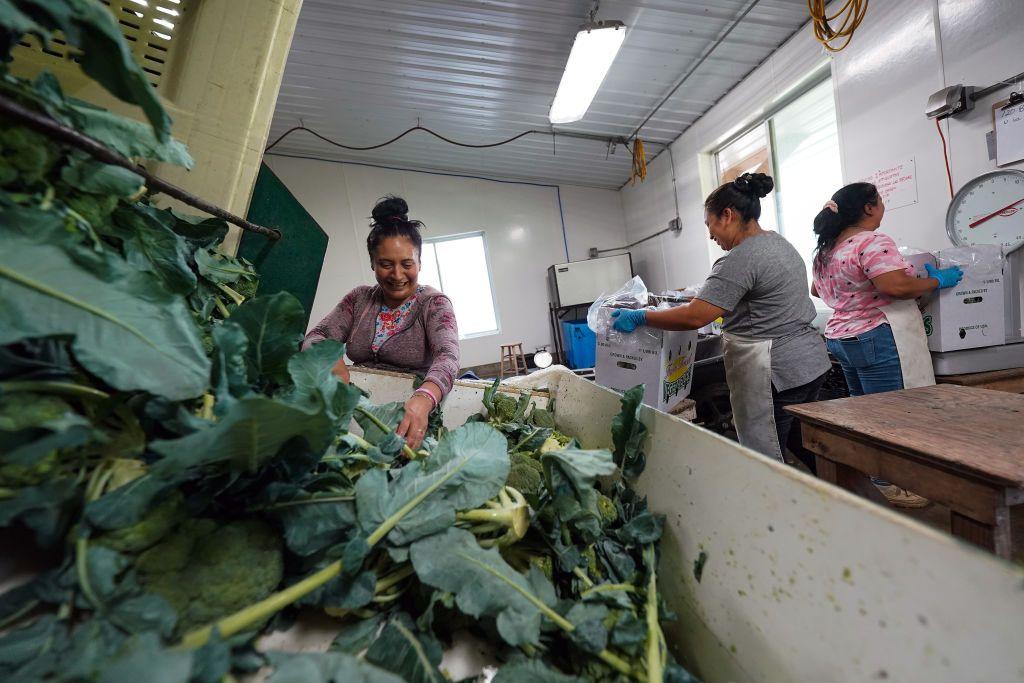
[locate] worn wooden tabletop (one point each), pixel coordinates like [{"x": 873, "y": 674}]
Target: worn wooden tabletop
[{"x": 979, "y": 431}]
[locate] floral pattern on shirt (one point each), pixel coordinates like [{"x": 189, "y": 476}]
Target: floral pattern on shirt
[
  {"x": 389, "y": 321},
  {"x": 844, "y": 282}
]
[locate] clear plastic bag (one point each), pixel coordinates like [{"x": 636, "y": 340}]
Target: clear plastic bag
[
  {"x": 633, "y": 295},
  {"x": 978, "y": 261}
]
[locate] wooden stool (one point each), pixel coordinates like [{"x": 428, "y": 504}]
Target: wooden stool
[{"x": 512, "y": 359}]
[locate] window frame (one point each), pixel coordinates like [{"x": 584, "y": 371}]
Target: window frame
[
  {"x": 490, "y": 277},
  {"x": 767, "y": 119}
]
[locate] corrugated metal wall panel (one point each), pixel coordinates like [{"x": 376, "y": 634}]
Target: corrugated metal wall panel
[{"x": 362, "y": 71}]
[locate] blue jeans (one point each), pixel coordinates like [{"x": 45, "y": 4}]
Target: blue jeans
[{"x": 870, "y": 363}]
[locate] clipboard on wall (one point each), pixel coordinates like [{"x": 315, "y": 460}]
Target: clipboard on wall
[{"x": 1008, "y": 128}]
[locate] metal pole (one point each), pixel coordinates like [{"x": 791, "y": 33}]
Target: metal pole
[{"x": 58, "y": 131}]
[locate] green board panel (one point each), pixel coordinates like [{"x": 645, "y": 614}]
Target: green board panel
[{"x": 293, "y": 263}]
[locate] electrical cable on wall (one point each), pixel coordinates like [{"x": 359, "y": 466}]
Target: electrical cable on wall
[
  {"x": 945, "y": 157},
  {"x": 851, "y": 13},
  {"x": 450, "y": 141}
]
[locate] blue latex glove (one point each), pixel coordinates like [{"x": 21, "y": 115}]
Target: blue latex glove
[
  {"x": 947, "y": 277},
  {"x": 627, "y": 320}
]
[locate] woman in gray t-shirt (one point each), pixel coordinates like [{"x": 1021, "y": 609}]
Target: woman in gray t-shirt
[{"x": 773, "y": 355}]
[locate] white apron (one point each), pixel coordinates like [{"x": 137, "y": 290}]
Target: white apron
[
  {"x": 904, "y": 318},
  {"x": 748, "y": 370}
]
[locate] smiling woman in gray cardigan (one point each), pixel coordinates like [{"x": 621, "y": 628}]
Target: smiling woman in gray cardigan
[{"x": 397, "y": 324}]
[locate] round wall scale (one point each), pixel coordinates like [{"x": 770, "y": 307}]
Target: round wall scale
[{"x": 989, "y": 210}]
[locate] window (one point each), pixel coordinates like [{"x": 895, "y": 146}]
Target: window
[
  {"x": 799, "y": 147},
  {"x": 458, "y": 267}
]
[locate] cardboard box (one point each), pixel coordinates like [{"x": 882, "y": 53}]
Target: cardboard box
[
  {"x": 661, "y": 361},
  {"x": 970, "y": 315}
]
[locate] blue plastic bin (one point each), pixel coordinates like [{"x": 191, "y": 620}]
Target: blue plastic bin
[{"x": 580, "y": 344}]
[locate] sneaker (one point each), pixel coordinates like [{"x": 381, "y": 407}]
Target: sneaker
[{"x": 903, "y": 498}]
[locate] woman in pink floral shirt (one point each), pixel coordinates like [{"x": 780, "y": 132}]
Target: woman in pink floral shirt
[
  {"x": 397, "y": 324},
  {"x": 857, "y": 271}
]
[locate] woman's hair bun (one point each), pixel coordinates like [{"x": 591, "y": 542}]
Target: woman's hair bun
[
  {"x": 390, "y": 210},
  {"x": 756, "y": 184}
]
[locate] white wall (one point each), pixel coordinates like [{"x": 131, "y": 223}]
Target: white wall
[
  {"x": 521, "y": 222},
  {"x": 902, "y": 52}
]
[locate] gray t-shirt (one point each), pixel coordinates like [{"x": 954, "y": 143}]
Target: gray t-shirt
[{"x": 762, "y": 284}]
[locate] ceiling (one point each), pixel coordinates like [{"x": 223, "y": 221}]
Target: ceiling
[{"x": 362, "y": 71}]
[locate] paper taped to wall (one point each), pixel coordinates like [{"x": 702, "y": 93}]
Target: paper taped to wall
[
  {"x": 1010, "y": 134},
  {"x": 896, "y": 183}
]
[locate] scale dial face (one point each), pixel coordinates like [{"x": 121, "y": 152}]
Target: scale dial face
[{"x": 988, "y": 210}]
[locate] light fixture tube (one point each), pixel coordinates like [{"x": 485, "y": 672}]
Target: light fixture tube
[{"x": 593, "y": 52}]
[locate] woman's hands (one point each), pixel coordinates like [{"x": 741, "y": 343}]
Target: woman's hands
[
  {"x": 627, "y": 319},
  {"x": 340, "y": 370},
  {"x": 947, "y": 277},
  {"x": 414, "y": 425}
]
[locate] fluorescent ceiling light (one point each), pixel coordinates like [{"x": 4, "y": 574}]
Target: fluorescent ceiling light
[{"x": 593, "y": 52}]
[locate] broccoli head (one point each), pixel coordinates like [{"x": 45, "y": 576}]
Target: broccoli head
[
  {"x": 30, "y": 154},
  {"x": 16, "y": 475},
  {"x": 504, "y": 407},
  {"x": 207, "y": 571},
  {"x": 544, "y": 564},
  {"x": 526, "y": 474},
  {"x": 606, "y": 506},
  {"x": 543, "y": 418},
  {"x": 153, "y": 527}
]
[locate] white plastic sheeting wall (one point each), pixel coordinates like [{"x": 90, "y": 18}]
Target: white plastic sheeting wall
[
  {"x": 902, "y": 52},
  {"x": 521, "y": 222}
]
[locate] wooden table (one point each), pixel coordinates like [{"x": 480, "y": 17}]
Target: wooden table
[
  {"x": 1011, "y": 380},
  {"x": 959, "y": 446}
]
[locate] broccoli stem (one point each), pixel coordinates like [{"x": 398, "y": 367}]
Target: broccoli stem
[
  {"x": 607, "y": 588},
  {"x": 655, "y": 655},
  {"x": 206, "y": 409},
  {"x": 15, "y": 616},
  {"x": 225, "y": 313},
  {"x": 235, "y": 296},
  {"x": 499, "y": 516},
  {"x": 61, "y": 388},
  {"x": 313, "y": 500},
  {"x": 6, "y": 493},
  {"x": 409, "y": 453}
]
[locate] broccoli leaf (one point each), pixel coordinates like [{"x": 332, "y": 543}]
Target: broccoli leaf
[
  {"x": 483, "y": 583},
  {"x": 628, "y": 434},
  {"x": 274, "y": 326},
  {"x": 45, "y": 293},
  {"x": 327, "y": 667},
  {"x": 402, "y": 650},
  {"x": 571, "y": 474},
  {"x": 468, "y": 468},
  {"x": 355, "y": 637},
  {"x": 87, "y": 175},
  {"x": 218, "y": 268},
  {"x": 531, "y": 671},
  {"x": 151, "y": 246},
  {"x": 144, "y": 658},
  {"x": 249, "y": 435},
  {"x": 310, "y": 527},
  {"x": 230, "y": 378},
  {"x": 313, "y": 381}
]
